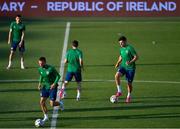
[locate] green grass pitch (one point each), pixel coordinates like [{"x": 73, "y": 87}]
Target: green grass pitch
[{"x": 154, "y": 104}]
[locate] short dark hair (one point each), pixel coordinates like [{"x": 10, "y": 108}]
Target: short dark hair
[
  {"x": 42, "y": 59},
  {"x": 18, "y": 15},
  {"x": 75, "y": 43},
  {"x": 123, "y": 38}
]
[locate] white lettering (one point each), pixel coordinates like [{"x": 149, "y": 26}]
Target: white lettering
[
  {"x": 99, "y": 6},
  {"x": 140, "y": 6},
  {"x": 13, "y": 6},
  {"x": 4, "y": 7},
  {"x": 21, "y": 6},
  {"x": 75, "y": 6},
  {"x": 111, "y": 6},
  {"x": 50, "y": 6},
  {"x": 154, "y": 7},
  {"x": 172, "y": 6}
]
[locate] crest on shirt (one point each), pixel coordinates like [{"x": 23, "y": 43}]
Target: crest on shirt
[
  {"x": 127, "y": 51},
  {"x": 47, "y": 72}
]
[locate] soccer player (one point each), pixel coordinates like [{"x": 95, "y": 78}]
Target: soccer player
[
  {"x": 127, "y": 66},
  {"x": 16, "y": 34},
  {"x": 74, "y": 59},
  {"x": 48, "y": 83}
]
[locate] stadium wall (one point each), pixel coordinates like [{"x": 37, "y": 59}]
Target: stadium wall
[{"x": 90, "y": 8}]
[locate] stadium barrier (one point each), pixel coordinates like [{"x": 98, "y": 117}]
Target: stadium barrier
[{"x": 94, "y": 8}]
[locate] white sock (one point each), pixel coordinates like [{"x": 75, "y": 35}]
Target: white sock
[
  {"x": 22, "y": 63},
  {"x": 63, "y": 87},
  {"x": 45, "y": 117},
  {"x": 128, "y": 95},
  {"x": 9, "y": 63},
  {"x": 79, "y": 90},
  {"x": 78, "y": 94},
  {"x": 119, "y": 88}
]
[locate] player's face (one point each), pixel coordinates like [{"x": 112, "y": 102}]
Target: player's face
[
  {"x": 41, "y": 63},
  {"x": 122, "y": 43},
  {"x": 18, "y": 19}
]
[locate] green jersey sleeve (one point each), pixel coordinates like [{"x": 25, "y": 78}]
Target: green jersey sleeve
[
  {"x": 11, "y": 25},
  {"x": 57, "y": 76},
  {"x": 132, "y": 50}
]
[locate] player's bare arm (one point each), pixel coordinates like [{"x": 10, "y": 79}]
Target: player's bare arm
[
  {"x": 135, "y": 58},
  {"x": 53, "y": 86},
  {"x": 22, "y": 38},
  {"x": 65, "y": 61},
  {"x": 81, "y": 64},
  {"x": 39, "y": 86},
  {"x": 118, "y": 62},
  {"x": 9, "y": 37}
]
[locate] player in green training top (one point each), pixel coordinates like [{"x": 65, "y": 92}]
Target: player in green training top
[
  {"x": 74, "y": 59},
  {"x": 126, "y": 64},
  {"x": 16, "y": 34},
  {"x": 48, "y": 83}
]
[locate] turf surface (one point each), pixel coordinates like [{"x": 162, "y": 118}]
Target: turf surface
[{"x": 155, "y": 105}]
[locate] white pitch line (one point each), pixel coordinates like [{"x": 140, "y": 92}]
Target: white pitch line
[{"x": 55, "y": 109}]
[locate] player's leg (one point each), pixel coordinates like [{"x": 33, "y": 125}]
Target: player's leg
[
  {"x": 78, "y": 79},
  {"x": 10, "y": 59},
  {"x": 44, "y": 108},
  {"x": 52, "y": 97},
  {"x": 62, "y": 92},
  {"x": 129, "y": 76},
  {"x": 21, "y": 52},
  {"x": 11, "y": 55},
  {"x": 44, "y": 95},
  {"x": 118, "y": 76},
  {"x": 69, "y": 76}
]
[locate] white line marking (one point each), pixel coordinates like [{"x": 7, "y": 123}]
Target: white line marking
[
  {"x": 34, "y": 6},
  {"x": 92, "y": 80},
  {"x": 55, "y": 110}
]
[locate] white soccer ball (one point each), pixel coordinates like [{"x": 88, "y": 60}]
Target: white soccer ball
[
  {"x": 38, "y": 123},
  {"x": 113, "y": 99}
]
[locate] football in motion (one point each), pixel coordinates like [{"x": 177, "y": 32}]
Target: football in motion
[
  {"x": 38, "y": 123},
  {"x": 113, "y": 99}
]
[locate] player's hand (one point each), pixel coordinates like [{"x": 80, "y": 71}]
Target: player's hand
[
  {"x": 117, "y": 65},
  {"x": 20, "y": 44},
  {"x": 39, "y": 87},
  {"x": 9, "y": 41},
  {"x": 52, "y": 86},
  {"x": 128, "y": 63}
]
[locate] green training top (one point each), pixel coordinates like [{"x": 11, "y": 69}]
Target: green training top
[
  {"x": 48, "y": 76},
  {"x": 73, "y": 56},
  {"x": 17, "y": 30},
  {"x": 127, "y": 53}
]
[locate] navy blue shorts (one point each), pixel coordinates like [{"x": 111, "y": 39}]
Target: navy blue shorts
[
  {"x": 15, "y": 44},
  {"x": 76, "y": 75},
  {"x": 128, "y": 73},
  {"x": 49, "y": 93}
]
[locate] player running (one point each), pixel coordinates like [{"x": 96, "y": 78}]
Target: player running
[
  {"x": 127, "y": 66},
  {"x": 16, "y": 34},
  {"x": 74, "y": 59},
  {"x": 48, "y": 83}
]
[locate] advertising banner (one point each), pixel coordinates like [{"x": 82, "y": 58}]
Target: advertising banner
[{"x": 93, "y": 8}]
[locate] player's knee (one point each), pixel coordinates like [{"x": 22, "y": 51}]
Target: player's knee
[
  {"x": 42, "y": 103},
  {"x": 117, "y": 76},
  {"x": 51, "y": 103}
]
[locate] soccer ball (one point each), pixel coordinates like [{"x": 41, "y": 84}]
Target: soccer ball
[
  {"x": 113, "y": 99},
  {"x": 38, "y": 123}
]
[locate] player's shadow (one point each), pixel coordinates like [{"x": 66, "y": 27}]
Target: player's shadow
[
  {"x": 17, "y": 90},
  {"x": 116, "y": 117},
  {"x": 130, "y": 107},
  {"x": 20, "y": 111},
  {"x": 160, "y": 64}
]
